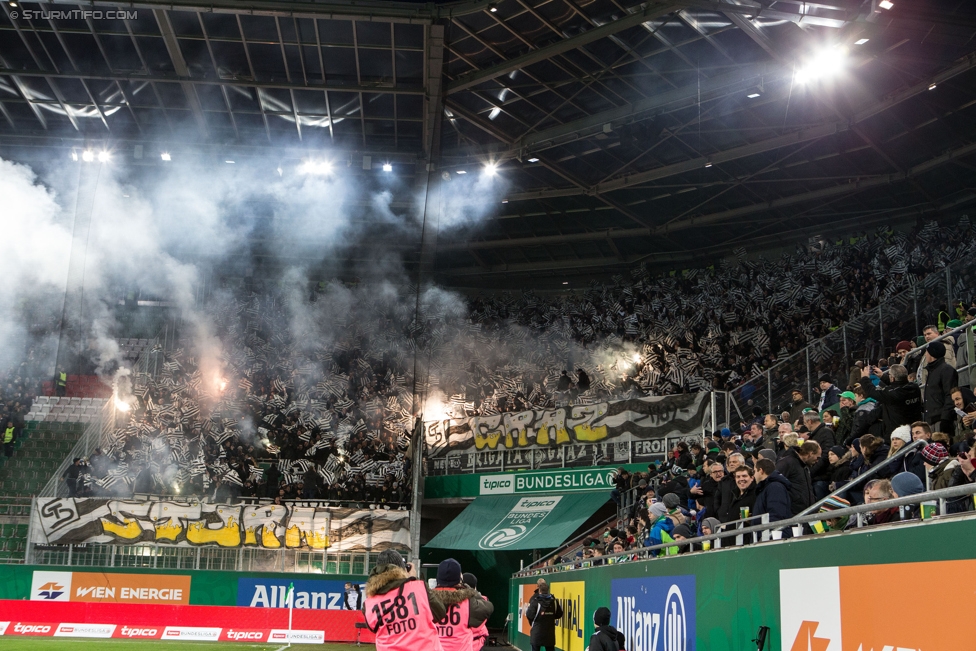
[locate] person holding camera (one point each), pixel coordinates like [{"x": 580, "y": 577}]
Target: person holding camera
[
  {"x": 466, "y": 608},
  {"x": 400, "y": 610}
]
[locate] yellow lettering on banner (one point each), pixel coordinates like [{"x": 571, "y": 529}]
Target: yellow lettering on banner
[
  {"x": 229, "y": 535},
  {"x": 249, "y": 537},
  {"x": 552, "y": 425},
  {"x": 268, "y": 538},
  {"x": 128, "y": 530},
  {"x": 293, "y": 537},
  {"x": 589, "y": 434},
  {"x": 490, "y": 440},
  {"x": 317, "y": 540},
  {"x": 168, "y": 530}
]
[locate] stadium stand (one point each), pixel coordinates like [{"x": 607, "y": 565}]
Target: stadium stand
[{"x": 334, "y": 420}]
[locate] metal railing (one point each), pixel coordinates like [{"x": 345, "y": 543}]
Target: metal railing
[
  {"x": 763, "y": 533},
  {"x": 238, "y": 559},
  {"x": 572, "y": 545},
  {"x": 870, "y": 335},
  {"x": 871, "y": 472},
  {"x": 97, "y": 435}
]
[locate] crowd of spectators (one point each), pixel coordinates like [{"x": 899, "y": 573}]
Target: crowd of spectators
[
  {"x": 334, "y": 415},
  {"x": 780, "y": 464},
  {"x": 333, "y": 422},
  {"x": 18, "y": 388}
]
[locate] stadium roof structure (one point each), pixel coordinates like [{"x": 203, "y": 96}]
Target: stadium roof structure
[{"x": 663, "y": 132}]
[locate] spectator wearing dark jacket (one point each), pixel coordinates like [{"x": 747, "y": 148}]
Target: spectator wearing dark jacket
[
  {"x": 900, "y": 400},
  {"x": 797, "y": 405},
  {"x": 875, "y": 453},
  {"x": 940, "y": 379},
  {"x": 829, "y": 394},
  {"x": 772, "y": 492},
  {"x": 794, "y": 465},
  {"x": 605, "y": 637},
  {"x": 840, "y": 466},
  {"x": 743, "y": 495},
  {"x": 542, "y": 612},
  {"x": 867, "y": 416},
  {"x": 824, "y": 437}
]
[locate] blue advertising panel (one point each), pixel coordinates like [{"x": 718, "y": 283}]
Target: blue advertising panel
[
  {"x": 655, "y": 613},
  {"x": 317, "y": 595}
]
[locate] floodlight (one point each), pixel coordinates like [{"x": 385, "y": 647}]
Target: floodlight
[
  {"x": 103, "y": 156},
  {"x": 229, "y": 162},
  {"x": 387, "y": 167},
  {"x": 88, "y": 155},
  {"x": 321, "y": 168},
  {"x": 861, "y": 41},
  {"x": 491, "y": 169},
  {"x": 165, "y": 156},
  {"x": 708, "y": 164},
  {"x": 753, "y": 95},
  {"x": 822, "y": 65},
  {"x": 74, "y": 155},
  {"x": 462, "y": 171},
  {"x": 886, "y": 4},
  {"x": 533, "y": 160},
  {"x": 932, "y": 87}
]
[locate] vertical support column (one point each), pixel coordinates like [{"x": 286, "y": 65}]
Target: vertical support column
[
  {"x": 417, "y": 490},
  {"x": 970, "y": 356},
  {"x": 949, "y": 290},
  {"x": 881, "y": 351},
  {"x": 843, "y": 334},
  {"x": 809, "y": 384},
  {"x": 918, "y": 326},
  {"x": 769, "y": 391}
]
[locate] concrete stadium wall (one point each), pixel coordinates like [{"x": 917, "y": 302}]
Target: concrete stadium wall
[{"x": 846, "y": 588}]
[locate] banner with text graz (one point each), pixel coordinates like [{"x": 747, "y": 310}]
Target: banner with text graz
[
  {"x": 844, "y": 609},
  {"x": 604, "y": 422},
  {"x": 64, "y": 521}
]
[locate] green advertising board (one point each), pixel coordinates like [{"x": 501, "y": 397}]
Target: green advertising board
[
  {"x": 527, "y": 482},
  {"x": 833, "y": 591}
]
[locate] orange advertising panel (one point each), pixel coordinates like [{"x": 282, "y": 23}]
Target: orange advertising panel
[
  {"x": 525, "y": 596},
  {"x": 848, "y": 608},
  {"x": 867, "y": 620},
  {"x": 109, "y": 587}
]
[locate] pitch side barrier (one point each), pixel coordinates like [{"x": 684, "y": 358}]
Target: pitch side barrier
[
  {"x": 186, "y": 605},
  {"x": 805, "y": 592}
]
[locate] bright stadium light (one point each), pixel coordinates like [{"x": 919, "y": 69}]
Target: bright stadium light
[
  {"x": 752, "y": 95},
  {"x": 387, "y": 167},
  {"x": 88, "y": 155},
  {"x": 462, "y": 171},
  {"x": 320, "y": 168},
  {"x": 491, "y": 169},
  {"x": 74, "y": 155},
  {"x": 103, "y": 156},
  {"x": 886, "y": 4},
  {"x": 861, "y": 41},
  {"x": 165, "y": 156},
  {"x": 824, "y": 64}
]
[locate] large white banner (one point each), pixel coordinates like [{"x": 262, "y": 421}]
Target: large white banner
[{"x": 63, "y": 521}]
